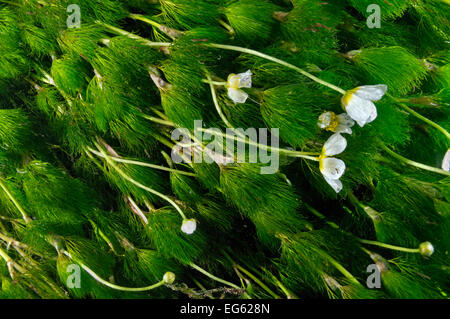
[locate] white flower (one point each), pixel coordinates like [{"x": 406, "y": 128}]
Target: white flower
[
  {"x": 358, "y": 102},
  {"x": 446, "y": 161},
  {"x": 234, "y": 84},
  {"x": 341, "y": 123},
  {"x": 189, "y": 226},
  {"x": 332, "y": 168}
]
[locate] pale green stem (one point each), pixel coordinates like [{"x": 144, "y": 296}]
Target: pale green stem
[
  {"x": 283, "y": 288},
  {"x": 138, "y": 211},
  {"x": 25, "y": 217},
  {"x": 259, "y": 282},
  {"x": 218, "y": 83},
  {"x": 216, "y": 103},
  {"x": 162, "y": 168},
  {"x": 426, "y": 120},
  {"x": 244, "y": 140},
  {"x": 144, "y": 19},
  {"x": 11, "y": 263},
  {"x": 12, "y": 241},
  {"x": 281, "y": 62},
  {"x": 392, "y": 247},
  {"x": 103, "y": 236},
  {"x": 415, "y": 164},
  {"x": 236, "y": 267},
  {"x": 227, "y": 26},
  {"x": 111, "y": 285},
  {"x": 223, "y": 281},
  {"x": 273, "y": 149},
  {"x": 364, "y": 241},
  {"x": 157, "y": 120},
  {"x": 170, "y": 145},
  {"x": 131, "y": 180},
  {"x": 232, "y": 48},
  {"x": 162, "y": 115},
  {"x": 342, "y": 270},
  {"x": 134, "y": 36}
]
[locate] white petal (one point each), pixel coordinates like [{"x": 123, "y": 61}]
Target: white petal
[
  {"x": 361, "y": 110},
  {"x": 345, "y": 120},
  {"x": 238, "y": 96},
  {"x": 245, "y": 79},
  {"x": 189, "y": 226},
  {"x": 336, "y": 144},
  {"x": 335, "y": 183},
  {"x": 372, "y": 92},
  {"x": 343, "y": 129},
  {"x": 373, "y": 115},
  {"x": 332, "y": 168},
  {"x": 446, "y": 161}
]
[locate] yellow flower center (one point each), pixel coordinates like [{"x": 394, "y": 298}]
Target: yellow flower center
[
  {"x": 347, "y": 97},
  {"x": 333, "y": 123},
  {"x": 233, "y": 81},
  {"x": 322, "y": 156}
]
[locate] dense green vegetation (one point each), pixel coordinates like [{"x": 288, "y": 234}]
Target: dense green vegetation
[{"x": 87, "y": 180}]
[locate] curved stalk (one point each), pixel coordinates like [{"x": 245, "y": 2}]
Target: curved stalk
[
  {"x": 258, "y": 281},
  {"x": 144, "y": 19},
  {"x": 25, "y": 217},
  {"x": 342, "y": 270},
  {"x": 364, "y": 241},
  {"x": 224, "y": 47},
  {"x": 413, "y": 163},
  {"x": 170, "y": 32},
  {"x": 12, "y": 241},
  {"x": 223, "y": 281},
  {"x": 283, "y": 288},
  {"x": 305, "y": 155},
  {"x": 426, "y": 120},
  {"x": 103, "y": 236},
  {"x": 133, "y": 36},
  {"x": 218, "y": 83},
  {"x": 135, "y": 208},
  {"x": 273, "y": 59},
  {"x": 228, "y": 124},
  {"x": 399, "y": 101},
  {"x": 388, "y": 246},
  {"x": 133, "y": 162},
  {"x": 131, "y": 180},
  {"x": 158, "y": 120},
  {"x": 227, "y": 26},
  {"x": 11, "y": 264},
  {"x": 216, "y": 103},
  {"x": 111, "y": 285}
]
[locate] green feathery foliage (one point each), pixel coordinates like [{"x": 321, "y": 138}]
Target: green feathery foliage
[{"x": 94, "y": 202}]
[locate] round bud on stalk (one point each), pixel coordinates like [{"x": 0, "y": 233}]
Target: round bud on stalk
[
  {"x": 169, "y": 278},
  {"x": 426, "y": 249},
  {"x": 189, "y": 226}
]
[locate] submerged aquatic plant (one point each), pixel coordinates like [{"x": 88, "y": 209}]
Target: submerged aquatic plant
[{"x": 88, "y": 176}]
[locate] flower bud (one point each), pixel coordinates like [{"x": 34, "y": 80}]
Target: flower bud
[
  {"x": 169, "y": 278},
  {"x": 189, "y": 226},
  {"x": 426, "y": 249}
]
